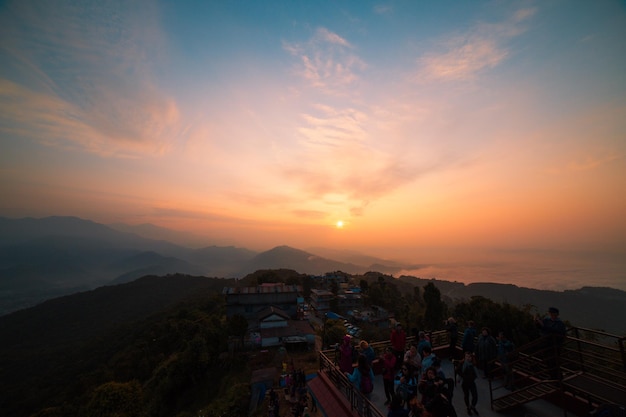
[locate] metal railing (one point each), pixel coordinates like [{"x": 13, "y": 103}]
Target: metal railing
[
  {"x": 582, "y": 353},
  {"x": 359, "y": 403},
  {"x": 590, "y": 352}
]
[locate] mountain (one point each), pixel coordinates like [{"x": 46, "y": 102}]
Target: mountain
[
  {"x": 222, "y": 261},
  {"x": 385, "y": 266},
  {"x": 151, "y": 263},
  {"x": 53, "y": 256},
  {"x": 304, "y": 262},
  {"x": 46, "y": 258},
  {"x": 151, "y": 231}
]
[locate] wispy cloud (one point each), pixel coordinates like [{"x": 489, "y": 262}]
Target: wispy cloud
[
  {"x": 463, "y": 56},
  {"x": 342, "y": 162},
  {"x": 89, "y": 77},
  {"x": 326, "y": 61}
]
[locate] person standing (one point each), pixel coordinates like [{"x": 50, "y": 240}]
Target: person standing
[
  {"x": 398, "y": 343},
  {"x": 468, "y": 374},
  {"x": 413, "y": 359},
  {"x": 468, "y": 337},
  {"x": 552, "y": 325},
  {"x": 429, "y": 358},
  {"x": 554, "y": 330},
  {"x": 422, "y": 342},
  {"x": 434, "y": 399},
  {"x": 453, "y": 334},
  {"x": 362, "y": 376},
  {"x": 486, "y": 350},
  {"x": 389, "y": 366},
  {"x": 366, "y": 350},
  {"x": 505, "y": 347},
  {"x": 345, "y": 354}
]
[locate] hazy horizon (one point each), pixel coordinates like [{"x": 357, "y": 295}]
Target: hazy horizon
[
  {"x": 387, "y": 128},
  {"x": 546, "y": 269}
]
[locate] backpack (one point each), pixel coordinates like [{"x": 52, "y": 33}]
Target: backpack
[{"x": 366, "y": 384}]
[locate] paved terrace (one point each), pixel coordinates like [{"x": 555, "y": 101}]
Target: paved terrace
[{"x": 337, "y": 397}]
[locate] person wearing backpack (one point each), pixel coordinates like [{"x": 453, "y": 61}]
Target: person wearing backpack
[{"x": 362, "y": 376}]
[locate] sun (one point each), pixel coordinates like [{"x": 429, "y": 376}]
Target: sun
[{"x": 339, "y": 224}]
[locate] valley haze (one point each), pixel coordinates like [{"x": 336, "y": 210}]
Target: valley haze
[{"x": 54, "y": 256}]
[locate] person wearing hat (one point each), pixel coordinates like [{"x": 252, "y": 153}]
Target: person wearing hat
[{"x": 552, "y": 325}]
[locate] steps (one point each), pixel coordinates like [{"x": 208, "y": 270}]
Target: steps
[{"x": 524, "y": 395}]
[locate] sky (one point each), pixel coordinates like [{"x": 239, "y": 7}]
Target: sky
[{"x": 389, "y": 127}]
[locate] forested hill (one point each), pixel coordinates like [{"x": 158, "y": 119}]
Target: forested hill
[
  {"x": 161, "y": 340},
  {"x": 591, "y": 307},
  {"x": 69, "y": 345}
]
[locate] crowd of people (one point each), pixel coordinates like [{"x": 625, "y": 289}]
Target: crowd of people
[{"x": 414, "y": 383}]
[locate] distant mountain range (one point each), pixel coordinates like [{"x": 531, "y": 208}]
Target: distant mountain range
[
  {"x": 53, "y": 256},
  {"x": 50, "y": 257}
]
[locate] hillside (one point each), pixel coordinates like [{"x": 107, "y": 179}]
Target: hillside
[
  {"x": 590, "y": 307},
  {"x": 71, "y": 337},
  {"x": 169, "y": 332},
  {"x": 45, "y": 258}
]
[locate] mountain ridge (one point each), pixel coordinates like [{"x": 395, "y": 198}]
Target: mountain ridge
[
  {"x": 59, "y": 255},
  {"x": 67, "y": 255}
]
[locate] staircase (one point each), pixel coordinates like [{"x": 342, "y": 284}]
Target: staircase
[
  {"x": 587, "y": 372},
  {"x": 524, "y": 395}
]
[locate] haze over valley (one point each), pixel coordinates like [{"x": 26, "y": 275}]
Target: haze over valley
[{"x": 55, "y": 256}]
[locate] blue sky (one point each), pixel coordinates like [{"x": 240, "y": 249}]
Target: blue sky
[{"x": 417, "y": 124}]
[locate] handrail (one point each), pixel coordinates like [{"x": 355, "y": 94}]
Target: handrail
[
  {"x": 358, "y": 402},
  {"x": 546, "y": 360}
]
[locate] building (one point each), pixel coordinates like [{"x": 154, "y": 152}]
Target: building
[
  {"x": 269, "y": 309},
  {"x": 349, "y": 299},
  {"x": 249, "y": 301},
  {"x": 320, "y": 301},
  {"x": 276, "y": 329}
]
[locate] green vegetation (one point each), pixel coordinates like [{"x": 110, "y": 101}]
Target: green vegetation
[{"x": 159, "y": 346}]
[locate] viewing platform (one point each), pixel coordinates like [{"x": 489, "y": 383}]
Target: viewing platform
[{"x": 591, "y": 378}]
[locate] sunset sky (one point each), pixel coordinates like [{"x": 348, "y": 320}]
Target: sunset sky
[{"x": 418, "y": 124}]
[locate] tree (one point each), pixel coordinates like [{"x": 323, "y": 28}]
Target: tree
[
  {"x": 116, "y": 399},
  {"x": 516, "y": 323},
  {"x": 435, "y": 308},
  {"x": 364, "y": 285},
  {"x": 334, "y": 287},
  {"x": 334, "y": 331},
  {"x": 238, "y": 326}
]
